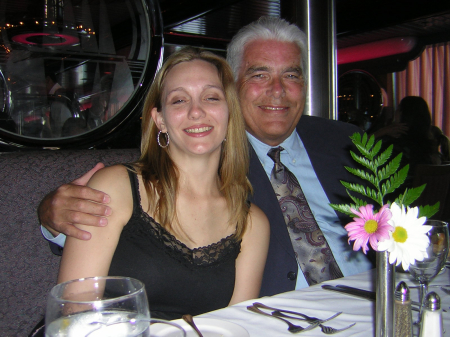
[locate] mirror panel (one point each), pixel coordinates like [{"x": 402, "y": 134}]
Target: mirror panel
[{"x": 70, "y": 67}]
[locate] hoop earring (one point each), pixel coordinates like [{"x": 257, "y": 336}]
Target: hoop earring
[{"x": 167, "y": 139}]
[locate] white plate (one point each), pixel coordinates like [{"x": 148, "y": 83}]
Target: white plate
[{"x": 208, "y": 327}]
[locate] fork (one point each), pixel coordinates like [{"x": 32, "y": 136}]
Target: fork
[
  {"x": 328, "y": 330},
  {"x": 291, "y": 327},
  {"x": 307, "y": 318}
]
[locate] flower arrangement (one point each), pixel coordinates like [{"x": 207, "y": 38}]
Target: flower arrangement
[{"x": 394, "y": 227}]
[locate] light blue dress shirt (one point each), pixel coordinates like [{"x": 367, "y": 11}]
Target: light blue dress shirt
[
  {"x": 296, "y": 159},
  {"x": 60, "y": 240}
]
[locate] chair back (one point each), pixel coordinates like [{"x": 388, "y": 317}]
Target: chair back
[
  {"x": 437, "y": 178},
  {"x": 28, "y": 269}
]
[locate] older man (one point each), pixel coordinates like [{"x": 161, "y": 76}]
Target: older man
[{"x": 308, "y": 242}]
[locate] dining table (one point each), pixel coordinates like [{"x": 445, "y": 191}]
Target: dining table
[{"x": 318, "y": 302}]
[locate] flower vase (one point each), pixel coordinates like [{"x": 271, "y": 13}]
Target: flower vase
[{"x": 384, "y": 314}]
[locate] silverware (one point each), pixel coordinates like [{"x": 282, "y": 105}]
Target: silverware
[
  {"x": 328, "y": 330},
  {"x": 359, "y": 292},
  {"x": 309, "y": 319},
  {"x": 190, "y": 320},
  {"x": 447, "y": 291},
  {"x": 432, "y": 286},
  {"x": 369, "y": 293},
  {"x": 366, "y": 294},
  {"x": 370, "y": 296},
  {"x": 291, "y": 327}
]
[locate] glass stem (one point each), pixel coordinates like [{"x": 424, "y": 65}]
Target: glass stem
[{"x": 423, "y": 290}]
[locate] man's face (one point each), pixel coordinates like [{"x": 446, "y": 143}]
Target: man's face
[{"x": 271, "y": 89}]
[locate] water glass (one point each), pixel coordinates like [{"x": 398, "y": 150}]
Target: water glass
[
  {"x": 426, "y": 270},
  {"x": 100, "y": 306}
]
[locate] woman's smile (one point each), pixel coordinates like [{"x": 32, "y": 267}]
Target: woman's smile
[{"x": 199, "y": 130}]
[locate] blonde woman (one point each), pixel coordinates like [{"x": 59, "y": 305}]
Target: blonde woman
[{"x": 181, "y": 222}]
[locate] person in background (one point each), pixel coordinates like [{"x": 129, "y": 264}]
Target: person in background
[
  {"x": 418, "y": 144},
  {"x": 59, "y": 103},
  {"x": 443, "y": 143},
  {"x": 100, "y": 109},
  {"x": 181, "y": 211},
  {"x": 269, "y": 62},
  {"x": 387, "y": 127}
]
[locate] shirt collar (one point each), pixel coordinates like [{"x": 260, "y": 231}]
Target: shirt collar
[
  {"x": 290, "y": 144},
  {"x": 293, "y": 149}
]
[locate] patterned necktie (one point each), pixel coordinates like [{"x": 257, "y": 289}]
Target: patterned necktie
[{"x": 313, "y": 254}]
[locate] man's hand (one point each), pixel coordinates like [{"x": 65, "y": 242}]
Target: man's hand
[{"x": 74, "y": 203}]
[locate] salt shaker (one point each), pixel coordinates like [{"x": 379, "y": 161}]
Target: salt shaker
[
  {"x": 432, "y": 325},
  {"x": 403, "y": 316}
]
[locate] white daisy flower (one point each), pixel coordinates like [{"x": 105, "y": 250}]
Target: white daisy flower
[{"x": 408, "y": 241}]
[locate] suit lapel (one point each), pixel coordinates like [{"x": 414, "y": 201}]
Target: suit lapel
[{"x": 328, "y": 146}]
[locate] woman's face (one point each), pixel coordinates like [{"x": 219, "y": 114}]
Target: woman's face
[{"x": 194, "y": 109}]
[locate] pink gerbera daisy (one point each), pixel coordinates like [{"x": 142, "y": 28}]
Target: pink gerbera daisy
[{"x": 369, "y": 227}]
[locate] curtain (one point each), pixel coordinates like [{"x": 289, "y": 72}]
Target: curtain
[{"x": 428, "y": 76}]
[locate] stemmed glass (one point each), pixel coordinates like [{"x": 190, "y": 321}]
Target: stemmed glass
[
  {"x": 100, "y": 306},
  {"x": 426, "y": 270}
]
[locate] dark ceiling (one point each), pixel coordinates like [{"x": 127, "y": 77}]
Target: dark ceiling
[{"x": 212, "y": 23}]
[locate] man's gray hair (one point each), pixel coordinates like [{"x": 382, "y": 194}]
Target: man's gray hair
[{"x": 266, "y": 28}]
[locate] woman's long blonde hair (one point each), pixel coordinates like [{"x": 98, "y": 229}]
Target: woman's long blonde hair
[{"x": 159, "y": 172}]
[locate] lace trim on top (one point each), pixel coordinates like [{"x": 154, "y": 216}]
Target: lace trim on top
[{"x": 227, "y": 248}]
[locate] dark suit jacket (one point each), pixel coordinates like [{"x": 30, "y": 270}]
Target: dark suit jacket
[{"x": 328, "y": 145}]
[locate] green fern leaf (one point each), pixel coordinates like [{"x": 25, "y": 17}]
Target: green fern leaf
[
  {"x": 361, "y": 160},
  {"x": 390, "y": 168},
  {"x": 428, "y": 211},
  {"x": 370, "y": 142},
  {"x": 385, "y": 187},
  {"x": 362, "y": 174},
  {"x": 384, "y": 156},
  {"x": 398, "y": 179},
  {"x": 369, "y": 147},
  {"x": 378, "y": 169},
  {"x": 376, "y": 149},
  {"x": 363, "y": 150},
  {"x": 357, "y": 202},
  {"x": 372, "y": 194},
  {"x": 356, "y": 138},
  {"x": 364, "y": 139},
  {"x": 381, "y": 174},
  {"x": 343, "y": 209},
  {"x": 354, "y": 187},
  {"x": 412, "y": 194}
]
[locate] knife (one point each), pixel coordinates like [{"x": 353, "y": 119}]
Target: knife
[{"x": 369, "y": 295}]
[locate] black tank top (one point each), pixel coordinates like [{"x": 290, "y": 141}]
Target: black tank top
[{"x": 178, "y": 280}]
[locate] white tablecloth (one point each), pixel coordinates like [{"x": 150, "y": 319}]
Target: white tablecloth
[{"x": 315, "y": 301}]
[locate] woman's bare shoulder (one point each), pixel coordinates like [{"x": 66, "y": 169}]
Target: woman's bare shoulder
[
  {"x": 115, "y": 174},
  {"x": 114, "y": 180}
]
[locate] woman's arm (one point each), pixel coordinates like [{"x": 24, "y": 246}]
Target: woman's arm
[
  {"x": 93, "y": 257},
  {"x": 252, "y": 258}
]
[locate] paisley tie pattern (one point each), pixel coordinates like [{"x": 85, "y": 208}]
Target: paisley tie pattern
[{"x": 313, "y": 254}]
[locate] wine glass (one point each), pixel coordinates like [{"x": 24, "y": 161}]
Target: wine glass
[
  {"x": 100, "y": 306},
  {"x": 424, "y": 271}
]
